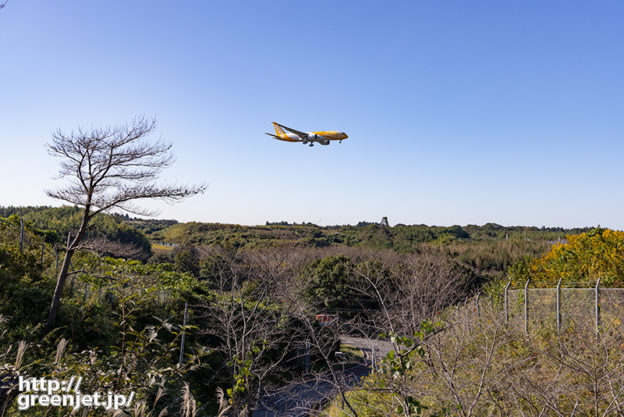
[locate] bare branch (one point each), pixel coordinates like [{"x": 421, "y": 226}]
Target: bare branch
[
  {"x": 109, "y": 247},
  {"x": 109, "y": 168}
]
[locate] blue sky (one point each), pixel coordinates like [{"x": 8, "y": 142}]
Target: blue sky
[{"x": 457, "y": 112}]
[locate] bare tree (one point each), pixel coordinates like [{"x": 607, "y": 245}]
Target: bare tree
[
  {"x": 327, "y": 378},
  {"x": 109, "y": 169},
  {"x": 417, "y": 289},
  {"x": 251, "y": 334}
]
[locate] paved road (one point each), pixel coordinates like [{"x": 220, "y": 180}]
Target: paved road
[
  {"x": 382, "y": 347},
  {"x": 296, "y": 400}
]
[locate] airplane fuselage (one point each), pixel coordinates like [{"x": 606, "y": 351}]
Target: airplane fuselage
[
  {"x": 322, "y": 137},
  {"x": 291, "y": 135}
]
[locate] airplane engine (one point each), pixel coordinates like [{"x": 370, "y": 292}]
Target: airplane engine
[
  {"x": 312, "y": 136},
  {"x": 324, "y": 142}
]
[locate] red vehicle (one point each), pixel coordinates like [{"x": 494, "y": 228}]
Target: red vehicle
[{"x": 325, "y": 319}]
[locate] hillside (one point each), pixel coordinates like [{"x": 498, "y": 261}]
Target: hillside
[
  {"x": 400, "y": 237},
  {"x": 254, "y": 296},
  {"x": 57, "y": 222}
]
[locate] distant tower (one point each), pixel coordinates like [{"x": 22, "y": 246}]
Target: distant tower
[{"x": 384, "y": 222}]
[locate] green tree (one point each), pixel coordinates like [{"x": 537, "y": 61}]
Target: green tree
[
  {"x": 186, "y": 259},
  {"x": 329, "y": 283}
]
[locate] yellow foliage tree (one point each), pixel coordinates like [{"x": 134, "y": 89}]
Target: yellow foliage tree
[{"x": 579, "y": 262}]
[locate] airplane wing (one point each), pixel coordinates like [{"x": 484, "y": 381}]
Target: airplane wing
[
  {"x": 285, "y": 140},
  {"x": 302, "y": 135}
]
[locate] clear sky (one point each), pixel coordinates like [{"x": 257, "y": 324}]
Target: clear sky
[{"x": 458, "y": 112}]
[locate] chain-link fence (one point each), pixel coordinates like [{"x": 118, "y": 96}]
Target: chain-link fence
[{"x": 530, "y": 309}]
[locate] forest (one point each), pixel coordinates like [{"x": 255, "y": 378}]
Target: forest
[{"x": 255, "y": 299}]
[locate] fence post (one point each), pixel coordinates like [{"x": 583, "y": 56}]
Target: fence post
[
  {"x": 183, "y": 334},
  {"x": 597, "y": 311},
  {"x": 526, "y": 307},
  {"x": 559, "y": 305},
  {"x": 372, "y": 359},
  {"x": 21, "y": 234},
  {"x": 506, "y": 301}
]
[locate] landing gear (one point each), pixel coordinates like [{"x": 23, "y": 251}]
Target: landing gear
[{"x": 311, "y": 145}]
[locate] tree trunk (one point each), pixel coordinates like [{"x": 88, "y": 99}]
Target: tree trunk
[
  {"x": 58, "y": 291},
  {"x": 71, "y": 247}
]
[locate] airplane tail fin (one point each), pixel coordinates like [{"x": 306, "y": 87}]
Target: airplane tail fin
[{"x": 278, "y": 129}]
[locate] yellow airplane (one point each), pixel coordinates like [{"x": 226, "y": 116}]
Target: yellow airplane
[{"x": 293, "y": 135}]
